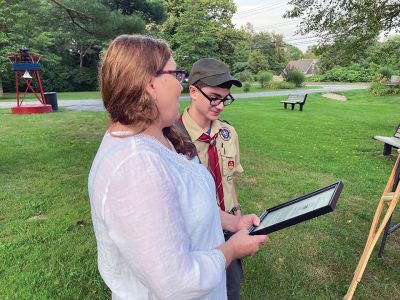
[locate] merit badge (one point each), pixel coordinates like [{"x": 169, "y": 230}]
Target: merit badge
[
  {"x": 225, "y": 134},
  {"x": 231, "y": 164}
]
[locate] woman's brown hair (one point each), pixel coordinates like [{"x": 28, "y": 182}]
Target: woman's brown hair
[{"x": 127, "y": 67}]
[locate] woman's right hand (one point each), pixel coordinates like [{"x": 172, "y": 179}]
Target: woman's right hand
[{"x": 242, "y": 244}]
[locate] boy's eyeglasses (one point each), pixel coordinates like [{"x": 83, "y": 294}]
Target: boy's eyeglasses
[
  {"x": 228, "y": 99},
  {"x": 180, "y": 75}
]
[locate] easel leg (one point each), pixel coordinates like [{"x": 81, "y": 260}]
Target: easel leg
[
  {"x": 390, "y": 197},
  {"x": 371, "y": 242},
  {"x": 384, "y": 237}
]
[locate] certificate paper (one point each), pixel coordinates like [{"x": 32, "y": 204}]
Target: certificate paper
[{"x": 298, "y": 210}]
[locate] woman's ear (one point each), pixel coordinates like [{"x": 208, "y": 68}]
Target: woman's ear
[{"x": 151, "y": 88}]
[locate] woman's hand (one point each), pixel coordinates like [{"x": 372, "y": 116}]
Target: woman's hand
[
  {"x": 242, "y": 244},
  {"x": 244, "y": 222},
  {"x": 234, "y": 223}
]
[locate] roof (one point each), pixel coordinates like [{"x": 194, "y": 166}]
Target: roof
[{"x": 303, "y": 65}]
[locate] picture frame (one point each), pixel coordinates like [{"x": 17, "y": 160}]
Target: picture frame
[{"x": 298, "y": 210}]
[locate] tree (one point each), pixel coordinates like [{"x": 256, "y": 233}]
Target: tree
[
  {"x": 174, "y": 9},
  {"x": 310, "y": 53},
  {"x": 193, "y": 38},
  {"x": 151, "y": 11},
  {"x": 294, "y": 53},
  {"x": 69, "y": 34},
  {"x": 345, "y": 25},
  {"x": 17, "y": 30},
  {"x": 93, "y": 25},
  {"x": 198, "y": 29},
  {"x": 242, "y": 49},
  {"x": 386, "y": 53},
  {"x": 257, "y": 62}
]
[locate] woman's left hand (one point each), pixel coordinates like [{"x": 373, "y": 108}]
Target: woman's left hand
[{"x": 244, "y": 222}]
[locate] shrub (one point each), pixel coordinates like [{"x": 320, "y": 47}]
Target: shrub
[
  {"x": 353, "y": 73},
  {"x": 296, "y": 77},
  {"x": 379, "y": 89},
  {"x": 84, "y": 79},
  {"x": 286, "y": 85},
  {"x": 280, "y": 85},
  {"x": 246, "y": 87},
  {"x": 386, "y": 71},
  {"x": 315, "y": 78},
  {"x": 245, "y": 75},
  {"x": 264, "y": 77}
]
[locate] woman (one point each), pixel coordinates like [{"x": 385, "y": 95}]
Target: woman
[{"x": 156, "y": 221}]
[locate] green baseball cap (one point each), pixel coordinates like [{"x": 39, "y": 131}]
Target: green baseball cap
[{"x": 212, "y": 72}]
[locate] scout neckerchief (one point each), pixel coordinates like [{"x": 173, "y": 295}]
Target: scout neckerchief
[{"x": 214, "y": 163}]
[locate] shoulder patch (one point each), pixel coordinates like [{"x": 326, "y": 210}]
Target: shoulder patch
[{"x": 225, "y": 134}]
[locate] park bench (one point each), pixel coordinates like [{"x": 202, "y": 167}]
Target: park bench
[
  {"x": 394, "y": 81},
  {"x": 294, "y": 99},
  {"x": 390, "y": 141}
]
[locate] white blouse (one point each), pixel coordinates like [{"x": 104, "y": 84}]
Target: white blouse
[{"x": 156, "y": 222}]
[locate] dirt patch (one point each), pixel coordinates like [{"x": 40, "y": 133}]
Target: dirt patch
[
  {"x": 5, "y": 238},
  {"x": 38, "y": 217},
  {"x": 334, "y": 96}
]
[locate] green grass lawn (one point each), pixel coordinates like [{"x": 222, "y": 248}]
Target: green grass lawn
[
  {"x": 96, "y": 95},
  {"x": 60, "y": 96},
  {"x": 47, "y": 244}
]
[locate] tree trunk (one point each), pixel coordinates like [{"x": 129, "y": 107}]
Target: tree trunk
[
  {"x": 1, "y": 88},
  {"x": 81, "y": 55}
]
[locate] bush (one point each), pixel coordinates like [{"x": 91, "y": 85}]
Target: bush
[
  {"x": 379, "y": 89},
  {"x": 286, "y": 85},
  {"x": 386, "y": 72},
  {"x": 315, "y": 78},
  {"x": 278, "y": 85},
  {"x": 246, "y": 87},
  {"x": 354, "y": 73},
  {"x": 245, "y": 75},
  {"x": 264, "y": 77},
  {"x": 296, "y": 77}
]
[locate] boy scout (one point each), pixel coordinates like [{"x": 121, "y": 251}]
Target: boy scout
[{"x": 216, "y": 141}]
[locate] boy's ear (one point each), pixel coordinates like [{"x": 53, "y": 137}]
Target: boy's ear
[{"x": 192, "y": 90}]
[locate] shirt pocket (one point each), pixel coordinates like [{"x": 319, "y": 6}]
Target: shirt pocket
[{"x": 228, "y": 165}]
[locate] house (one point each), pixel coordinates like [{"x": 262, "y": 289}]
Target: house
[{"x": 307, "y": 66}]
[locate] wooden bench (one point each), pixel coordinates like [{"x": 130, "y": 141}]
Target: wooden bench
[
  {"x": 394, "y": 81},
  {"x": 390, "y": 141},
  {"x": 294, "y": 99}
]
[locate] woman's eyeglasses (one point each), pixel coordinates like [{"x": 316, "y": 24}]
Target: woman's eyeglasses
[
  {"x": 228, "y": 99},
  {"x": 180, "y": 75}
]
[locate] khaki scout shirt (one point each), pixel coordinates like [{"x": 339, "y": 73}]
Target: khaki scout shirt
[{"x": 227, "y": 144}]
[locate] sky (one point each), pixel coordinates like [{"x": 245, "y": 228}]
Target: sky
[{"x": 266, "y": 15}]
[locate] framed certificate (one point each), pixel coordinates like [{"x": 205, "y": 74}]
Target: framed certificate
[{"x": 298, "y": 210}]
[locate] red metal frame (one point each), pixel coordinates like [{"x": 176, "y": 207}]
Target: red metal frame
[
  {"x": 19, "y": 60},
  {"x": 20, "y": 99}
]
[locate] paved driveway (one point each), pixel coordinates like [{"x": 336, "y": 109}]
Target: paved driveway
[{"x": 97, "y": 105}]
